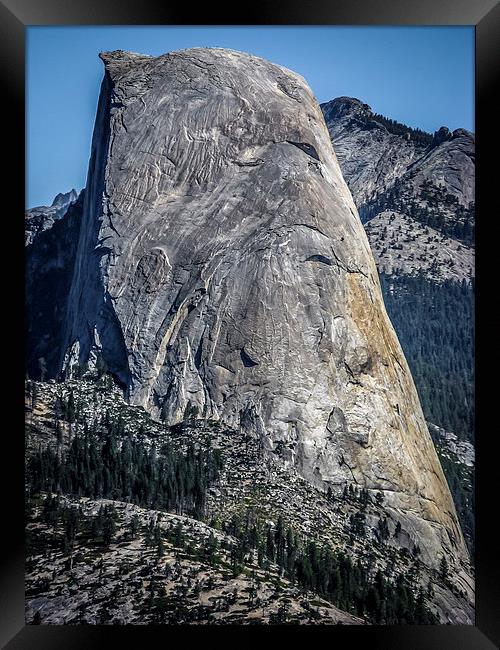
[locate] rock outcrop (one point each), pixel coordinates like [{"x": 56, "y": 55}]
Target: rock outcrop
[
  {"x": 222, "y": 269},
  {"x": 63, "y": 199}
]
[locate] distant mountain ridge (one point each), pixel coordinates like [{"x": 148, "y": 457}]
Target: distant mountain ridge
[
  {"x": 42, "y": 217},
  {"x": 374, "y": 152},
  {"x": 425, "y": 182}
]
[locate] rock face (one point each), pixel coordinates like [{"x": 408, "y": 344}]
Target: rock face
[
  {"x": 221, "y": 266},
  {"x": 371, "y": 158}
]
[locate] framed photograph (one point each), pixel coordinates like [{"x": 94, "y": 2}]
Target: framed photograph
[{"x": 250, "y": 389}]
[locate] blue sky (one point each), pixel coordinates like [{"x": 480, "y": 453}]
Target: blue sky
[{"x": 421, "y": 76}]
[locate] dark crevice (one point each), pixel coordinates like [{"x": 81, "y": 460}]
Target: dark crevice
[
  {"x": 103, "y": 250},
  {"x": 344, "y": 462},
  {"x": 197, "y": 356},
  {"x": 306, "y": 148},
  {"x": 248, "y": 362},
  {"x": 352, "y": 379},
  {"x": 249, "y": 163},
  {"x": 320, "y": 258},
  {"x": 308, "y": 225}
]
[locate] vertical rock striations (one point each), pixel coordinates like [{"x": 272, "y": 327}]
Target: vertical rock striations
[{"x": 222, "y": 267}]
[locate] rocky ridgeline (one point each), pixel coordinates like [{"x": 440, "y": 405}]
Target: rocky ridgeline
[
  {"x": 427, "y": 181},
  {"x": 371, "y": 158}
]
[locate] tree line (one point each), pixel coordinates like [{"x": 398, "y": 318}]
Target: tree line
[
  {"x": 417, "y": 135},
  {"x": 431, "y": 206},
  {"x": 350, "y": 586},
  {"x": 435, "y": 326},
  {"x": 127, "y": 470}
]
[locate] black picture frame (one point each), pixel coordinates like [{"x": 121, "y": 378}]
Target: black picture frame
[{"x": 15, "y": 16}]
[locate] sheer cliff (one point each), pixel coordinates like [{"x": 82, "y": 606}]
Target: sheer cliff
[{"x": 222, "y": 270}]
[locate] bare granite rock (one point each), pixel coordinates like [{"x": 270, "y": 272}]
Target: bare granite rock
[{"x": 221, "y": 266}]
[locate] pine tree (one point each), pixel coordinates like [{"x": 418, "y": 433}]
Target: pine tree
[
  {"x": 134, "y": 526},
  {"x": 211, "y": 549},
  {"x": 160, "y": 546},
  {"x": 179, "y": 539},
  {"x": 270, "y": 546},
  {"x": 42, "y": 365},
  {"x": 109, "y": 526},
  {"x": 70, "y": 408}
]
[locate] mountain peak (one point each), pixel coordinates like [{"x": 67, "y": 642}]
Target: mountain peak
[
  {"x": 345, "y": 107},
  {"x": 64, "y": 198},
  {"x": 441, "y": 135}
]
